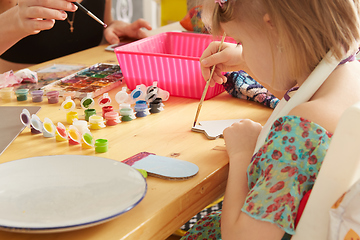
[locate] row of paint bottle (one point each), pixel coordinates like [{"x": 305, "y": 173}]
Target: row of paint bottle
[
  {"x": 141, "y": 96},
  {"x": 7, "y": 94},
  {"x": 77, "y": 134}
]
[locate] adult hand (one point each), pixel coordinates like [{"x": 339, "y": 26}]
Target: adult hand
[
  {"x": 228, "y": 59},
  {"x": 36, "y": 15},
  {"x": 119, "y": 29},
  {"x": 240, "y": 139}
]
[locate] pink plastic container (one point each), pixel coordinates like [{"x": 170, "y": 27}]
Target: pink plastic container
[{"x": 171, "y": 59}]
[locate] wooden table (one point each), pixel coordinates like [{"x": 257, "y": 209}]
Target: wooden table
[{"x": 167, "y": 204}]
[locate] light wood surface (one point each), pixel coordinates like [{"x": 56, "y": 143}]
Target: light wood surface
[{"x": 167, "y": 204}]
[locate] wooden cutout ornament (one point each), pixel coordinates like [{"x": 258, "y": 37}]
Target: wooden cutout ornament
[
  {"x": 213, "y": 129},
  {"x": 162, "y": 167}
]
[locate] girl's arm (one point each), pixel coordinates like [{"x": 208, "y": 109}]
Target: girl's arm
[{"x": 240, "y": 141}]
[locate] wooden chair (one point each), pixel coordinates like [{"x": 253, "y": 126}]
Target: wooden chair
[{"x": 340, "y": 170}]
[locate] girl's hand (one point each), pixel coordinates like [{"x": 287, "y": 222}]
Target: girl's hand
[
  {"x": 34, "y": 16},
  {"x": 240, "y": 138},
  {"x": 119, "y": 29},
  {"x": 228, "y": 59}
]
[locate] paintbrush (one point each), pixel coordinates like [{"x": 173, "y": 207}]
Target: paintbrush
[
  {"x": 207, "y": 84},
  {"x": 89, "y": 13}
]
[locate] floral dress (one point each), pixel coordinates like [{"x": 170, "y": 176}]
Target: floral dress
[{"x": 279, "y": 175}]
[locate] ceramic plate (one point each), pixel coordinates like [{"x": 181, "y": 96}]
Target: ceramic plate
[{"x": 66, "y": 192}]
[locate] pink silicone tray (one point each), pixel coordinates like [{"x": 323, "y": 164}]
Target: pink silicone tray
[{"x": 171, "y": 59}]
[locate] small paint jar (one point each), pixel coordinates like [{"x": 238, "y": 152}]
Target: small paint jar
[
  {"x": 141, "y": 109},
  {"x": 81, "y": 126},
  {"x": 69, "y": 94},
  {"x": 87, "y": 103},
  {"x": 37, "y": 95},
  {"x": 61, "y": 133},
  {"x": 104, "y": 100},
  {"x": 53, "y": 97},
  {"x": 87, "y": 140},
  {"x": 35, "y": 124},
  {"x": 89, "y": 112},
  {"x": 21, "y": 94},
  {"x": 122, "y": 96},
  {"x": 127, "y": 114},
  {"x": 101, "y": 145},
  {"x": 112, "y": 118},
  {"x": 48, "y": 128},
  {"x": 6, "y": 94},
  {"x": 156, "y": 106},
  {"x": 74, "y": 136},
  {"x": 96, "y": 122},
  {"x": 25, "y": 117},
  {"x": 71, "y": 116},
  {"x": 107, "y": 109}
]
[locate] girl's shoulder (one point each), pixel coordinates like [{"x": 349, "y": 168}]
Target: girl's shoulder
[{"x": 335, "y": 95}]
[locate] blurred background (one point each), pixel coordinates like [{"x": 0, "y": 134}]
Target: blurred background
[{"x": 156, "y": 12}]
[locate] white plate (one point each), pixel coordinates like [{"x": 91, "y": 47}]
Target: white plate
[{"x": 66, "y": 192}]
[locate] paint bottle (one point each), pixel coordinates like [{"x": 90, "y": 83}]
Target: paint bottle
[
  {"x": 68, "y": 106},
  {"x": 138, "y": 93},
  {"x": 96, "y": 122},
  {"x": 74, "y": 136},
  {"x": 141, "y": 108},
  {"x": 48, "y": 128},
  {"x": 105, "y": 102},
  {"x": 81, "y": 125},
  {"x": 21, "y": 94},
  {"x": 87, "y": 140},
  {"x": 122, "y": 96},
  {"x": 71, "y": 117},
  {"x": 127, "y": 114},
  {"x": 153, "y": 92},
  {"x": 156, "y": 106},
  {"x": 53, "y": 97},
  {"x": 101, "y": 145},
  {"x": 6, "y": 94},
  {"x": 112, "y": 118},
  {"x": 89, "y": 113},
  {"x": 87, "y": 103},
  {"x": 61, "y": 133},
  {"x": 107, "y": 109},
  {"x": 25, "y": 117},
  {"x": 37, "y": 95},
  {"x": 69, "y": 94},
  {"x": 35, "y": 124}
]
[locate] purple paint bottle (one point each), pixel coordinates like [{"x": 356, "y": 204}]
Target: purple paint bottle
[{"x": 37, "y": 95}]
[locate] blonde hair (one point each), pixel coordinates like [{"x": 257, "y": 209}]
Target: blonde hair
[{"x": 307, "y": 29}]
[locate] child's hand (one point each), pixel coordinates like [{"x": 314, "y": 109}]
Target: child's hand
[
  {"x": 228, "y": 59},
  {"x": 36, "y": 15},
  {"x": 240, "y": 139},
  {"x": 119, "y": 29}
]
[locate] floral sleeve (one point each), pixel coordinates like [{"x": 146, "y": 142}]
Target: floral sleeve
[{"x": 284, "y": 169}]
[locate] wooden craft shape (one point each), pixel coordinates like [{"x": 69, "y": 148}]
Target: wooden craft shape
[
  {"x": 214, "y": 129},
  {"x": 163, "y": 167}
]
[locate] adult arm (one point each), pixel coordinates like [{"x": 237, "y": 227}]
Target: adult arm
[
  {"x": 30, "y": 17},
  {"x": 117, "y": 29}
]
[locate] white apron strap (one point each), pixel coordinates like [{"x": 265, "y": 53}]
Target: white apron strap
[{"x": 303, "y": 94}]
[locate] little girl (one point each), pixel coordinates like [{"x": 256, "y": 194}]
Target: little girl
[{"x": 305, "y": 49}]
